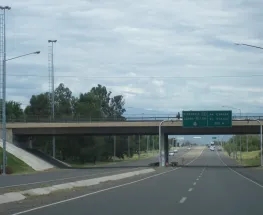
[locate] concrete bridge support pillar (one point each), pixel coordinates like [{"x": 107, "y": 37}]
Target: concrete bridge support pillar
[{"x": 164, "y": 154}]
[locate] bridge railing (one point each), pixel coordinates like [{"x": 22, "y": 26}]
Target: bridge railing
[{"x": 76, "y": 119}]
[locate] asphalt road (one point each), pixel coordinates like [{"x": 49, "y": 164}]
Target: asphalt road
[
  {"x": 15, "y": 182},
  {"x": 206, "y": 187}
]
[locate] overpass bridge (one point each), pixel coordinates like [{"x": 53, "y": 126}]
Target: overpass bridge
[
  {"x": 143, "y": 127},
  {"x": 19, "y": 132}
]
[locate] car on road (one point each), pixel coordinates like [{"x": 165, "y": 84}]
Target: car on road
[
  {"x": 171, "y": 153},
  {"x": 212, "y": 148},
  {"x": 175, "y": 150},
  {"x": 188, "y": 148}
]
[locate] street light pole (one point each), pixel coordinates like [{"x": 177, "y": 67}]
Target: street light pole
[
  {"x": 53, "y": 95},
  {"x": 4, "y": 8},
  {"x": 37, "y": 52},
  {"x": 261, "y": 148},
  {"x": 4, "y": 105},
  {"x": 261, "y": 159},
  {"x": 243, "y": 44}
]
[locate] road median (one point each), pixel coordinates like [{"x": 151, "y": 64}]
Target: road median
[{"x": 21, "y": 195}]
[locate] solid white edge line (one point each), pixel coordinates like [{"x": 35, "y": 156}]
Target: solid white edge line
[
  {"x": 100, "y": 191},
  {"x": 239, "y": 173},
  {"x": 183, "y": 200}
]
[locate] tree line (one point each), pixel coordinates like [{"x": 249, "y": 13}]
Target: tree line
[
  {"x": 248, "y": 143},
  {"x": 98, "y": 103}
]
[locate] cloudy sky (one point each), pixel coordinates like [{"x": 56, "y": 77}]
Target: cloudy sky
[{"x": 162, "y": 55}]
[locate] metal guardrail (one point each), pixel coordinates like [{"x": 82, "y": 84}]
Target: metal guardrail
[{"x": 39, "y": 119}]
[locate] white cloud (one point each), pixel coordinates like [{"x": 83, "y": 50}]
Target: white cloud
[{"x": 160, "y": 54}]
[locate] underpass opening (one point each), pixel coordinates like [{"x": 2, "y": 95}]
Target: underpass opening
[
  {"x": 215, "y": 151},
  {"x": 101, "y": 152}
]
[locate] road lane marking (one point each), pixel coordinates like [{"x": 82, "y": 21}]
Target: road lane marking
[
  {"x": 194, "y": 183},
  {"x": 197, "y": 179},
  {"x": 196, "y": 157},
  {"x": 99, "y": 191},
  {"x": 183, "y": 200},
  {"x": 239, "y": 173},
  {"x": 93, "y": 193},
  {"x": 190, "y": 189}
]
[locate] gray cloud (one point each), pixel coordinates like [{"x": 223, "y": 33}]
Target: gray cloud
[{"x": 161, "y": 54}]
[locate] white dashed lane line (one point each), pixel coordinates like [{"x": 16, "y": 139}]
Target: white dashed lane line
[
  {"x": 183, "y": 200},
  {"x": 190, "y": 189},
  {"x": 194, "y": 183}
]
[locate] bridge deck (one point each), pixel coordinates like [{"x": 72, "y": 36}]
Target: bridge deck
[{"x": 17, "y": 125}]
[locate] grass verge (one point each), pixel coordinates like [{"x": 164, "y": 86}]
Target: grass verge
[
  {"x": 248, "y": 158},
  {"x": 17, "y": 166},
  {"x": 117, "y": 160}
]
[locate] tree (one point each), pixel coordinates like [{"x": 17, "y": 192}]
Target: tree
[
  {"x": 96, "y": 103},
  {"x": 88, "y": 104},
  {"x": 63, "y": 101},
  {"x": 227, "y": 148},
  {"x": 39, "y": 105},
  {"x": 117, "y": 106},
  {"x": 13, "y": 110},
  {"x": 103, "y": 96}
]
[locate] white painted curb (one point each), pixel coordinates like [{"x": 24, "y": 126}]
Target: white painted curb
[{"x": 18, "y": 196}]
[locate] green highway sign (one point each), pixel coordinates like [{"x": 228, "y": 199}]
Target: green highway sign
[
  {"x": 213, "y": 138},
  {"x": 199, "y": 119}
]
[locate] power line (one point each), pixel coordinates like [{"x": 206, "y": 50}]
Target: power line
[{"x": 137, "y": 77}]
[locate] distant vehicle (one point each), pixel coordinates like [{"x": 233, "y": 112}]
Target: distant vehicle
[
  {"x": 212, "y": 148},
  {"x": 175, "y": 150},
  {"x": 188, "y": 148},
  {"x": 171, "y": 153},
  {"x": 219, "y": 149}
]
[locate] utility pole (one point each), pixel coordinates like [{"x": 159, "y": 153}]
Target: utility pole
[
  {"x": 153, "y": 144},
  {"x": 129, "y": 154},
  {"x": 114, "y": 148},
  {"x": 247, "y": 143},
  {"x": 52, "y": 89},
  {"x": 147, "y": 143},
  {"x": 139, "y": 153}
]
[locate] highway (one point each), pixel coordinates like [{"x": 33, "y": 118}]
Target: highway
[
  {"x": 67, "y": 175},
  {"x": 201, "y": 188}
]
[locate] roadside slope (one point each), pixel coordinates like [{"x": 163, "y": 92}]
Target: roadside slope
[
  {"x": 17, "y": 166},
  {"x": 31, "y": 160}
]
